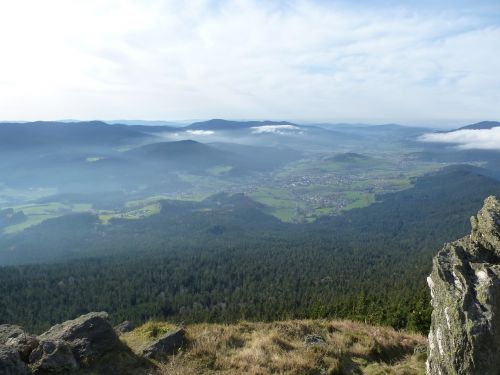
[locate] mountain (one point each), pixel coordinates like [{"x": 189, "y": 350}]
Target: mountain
[
  {"x": 14, "y": 136},
  {"x": 480, "y": 125},
  {"x": 229, "y": 248},
  {"x": 179, "y": 150},
  {"x": 219, "y": 124}
]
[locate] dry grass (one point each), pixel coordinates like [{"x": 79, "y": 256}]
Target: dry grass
[{"x": 279, "y": 348}]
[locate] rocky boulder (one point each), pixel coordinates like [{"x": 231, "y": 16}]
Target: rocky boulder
[
  {"x": 8, "y": 331},
  {"x": 465, "y": 287},
  {"x": 88, "y": 337},
  {"x": 53, "y": 356},
  {"x": 11, "y": 363},
  {"x": 16, "y": 338},
  {"x": 165, "y": 345}
]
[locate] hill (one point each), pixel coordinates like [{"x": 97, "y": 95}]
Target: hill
[
  {"x": 186, "y": 153},
  {"x": 60, "y": 134},
  {"x": 217, "y": 260},
  {"x": 219, "y": 124},
  {"x": 480, "y": 125}
]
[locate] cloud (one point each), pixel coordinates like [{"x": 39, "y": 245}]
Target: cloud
[
  {"x": 468, "y": 139},
  {"x": 200, "y": 132},
  {"x": 277, "y": 129},
  {"x": 310, "y": 60}
]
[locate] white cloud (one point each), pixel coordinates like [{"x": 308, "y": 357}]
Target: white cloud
[
  {"x": 200, "y": 132},
  {"x": 314, "y": 60},
  {"x": 468, "y": 139},
  {"x": 277, "y": 129}
]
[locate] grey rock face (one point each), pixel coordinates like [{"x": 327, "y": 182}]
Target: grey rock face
[
  {"x": 8, "y": 331},
  {"x": 465, "y": 287},
  {"x": 23, "y": 345},
  {"x": 166, "y": 344},
  {"x": 16, "y": 338},
  {"x": 53, "y": 356},
  {"x": 88, "y": 337},
  {"x": 10, "y": 363}
]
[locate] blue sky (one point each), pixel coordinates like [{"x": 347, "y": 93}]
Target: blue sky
[{"x": 422, "y": 62}]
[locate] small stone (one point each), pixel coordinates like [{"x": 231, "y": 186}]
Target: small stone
[
  {"x": 311, "y": 340},
  {"x": 124, "y": 327}
]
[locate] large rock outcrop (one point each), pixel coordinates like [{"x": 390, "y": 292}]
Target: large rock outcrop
[
  {"x": 465, "y": 287},
  {"x": 88, "y": 336}
]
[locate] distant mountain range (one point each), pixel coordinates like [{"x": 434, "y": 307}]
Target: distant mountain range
[{"x": 481, "y": 125}]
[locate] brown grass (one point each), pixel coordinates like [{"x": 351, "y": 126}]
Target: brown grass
[{"x": 279, "y": 348}]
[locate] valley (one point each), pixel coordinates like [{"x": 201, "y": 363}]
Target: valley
[{"x": 206, "y": 230}]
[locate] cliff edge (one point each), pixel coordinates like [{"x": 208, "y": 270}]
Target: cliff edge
[{"x": 465, "y": 286}]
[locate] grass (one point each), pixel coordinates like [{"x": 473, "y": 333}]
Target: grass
[
  {"x": 37, "y": 213},
  {"x": 139, "y": 213},
  {"x": 279, "y": 348},
  {"x": 140, "y": 336},
  {"x": 281, "y": 202},
  {"x": 220, "y": 170}
]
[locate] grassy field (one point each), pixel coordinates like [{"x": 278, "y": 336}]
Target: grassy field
[
  {"x": 281, "y": 202},
  {"x": 296, "y": 347},
  {"x": 37, "y": 213},
  {"x": 301, "y": 192},
  {"x": 135, "y": 214}
]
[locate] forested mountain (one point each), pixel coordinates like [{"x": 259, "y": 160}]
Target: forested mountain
[
  {"x": 481, "y": 125},
  {"x": 225, "y": 259}
]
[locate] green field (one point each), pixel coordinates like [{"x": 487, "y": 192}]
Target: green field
[{"x": 300, "y": 192}]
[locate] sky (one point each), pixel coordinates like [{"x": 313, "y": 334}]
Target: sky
[{"x": 433, "y": 63}]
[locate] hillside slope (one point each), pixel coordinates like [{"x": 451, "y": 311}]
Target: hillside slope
[{"x": 289, "y": 347}]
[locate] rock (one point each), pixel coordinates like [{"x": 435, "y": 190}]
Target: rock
[
  {"x": 164, "y": 345},
  {"x": 8, "y": 331},
  {"x": 124, "y": 327},
  {"x": 465, "y": 287},
  {"x": 23, "y": 344},
  {"x": 312, "y": 340},
  {"x": 10, "y": 362},
  {"x": 88, "y": 337},
  {"x": 16, "y": 338},
  {"x": 53, "y": 356}
]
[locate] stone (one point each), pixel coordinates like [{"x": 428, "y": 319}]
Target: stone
[
  {"x": 10, "y": 362},
  {"x": 23, "y": 345},
  {"x": 8, "y": 331},
  {"x": 165, "y": 345},
  {"x": 88, "y": 336},
  {"x": 311, "y": 340},
  {"x": 465, "y": 287},
  {"x": 16, "y": 338},
  {"x": 124, "y": 327},
  {"x": 53, "y": 356}
]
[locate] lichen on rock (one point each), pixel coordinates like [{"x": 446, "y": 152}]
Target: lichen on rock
[{"x": 465, "y": 289}]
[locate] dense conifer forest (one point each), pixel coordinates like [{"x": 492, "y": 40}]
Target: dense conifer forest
[{"x": 234, "y": 261}]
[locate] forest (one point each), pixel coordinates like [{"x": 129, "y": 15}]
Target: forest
[{"x": 225, "y": 259}]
